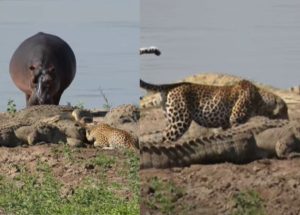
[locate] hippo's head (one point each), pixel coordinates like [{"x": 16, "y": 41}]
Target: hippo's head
[{"x": 43, "y": 85}]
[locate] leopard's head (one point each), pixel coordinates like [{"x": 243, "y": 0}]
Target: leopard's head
[{"x": 272, "y": 106}]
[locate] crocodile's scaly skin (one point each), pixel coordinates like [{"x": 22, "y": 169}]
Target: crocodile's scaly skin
[
  {"x": 269, "y": 138},
  {"x": 255, "y": 125},
  {"x": 32, "y": 114},
  {"x": 43, "y": 123}
]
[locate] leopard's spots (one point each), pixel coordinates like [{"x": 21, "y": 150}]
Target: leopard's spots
[
  {"x": 105, "y": 136},
  {"x": 215, "y": 106}
]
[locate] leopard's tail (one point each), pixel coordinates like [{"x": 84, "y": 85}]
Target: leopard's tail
[
  {"x": 160, "y": 88},
  {"x": 150, "y": 50}
]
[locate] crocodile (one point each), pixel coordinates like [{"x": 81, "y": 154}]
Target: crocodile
[
  {"x": 270, "y": 138},
  {"x": 42, "y": 123}
]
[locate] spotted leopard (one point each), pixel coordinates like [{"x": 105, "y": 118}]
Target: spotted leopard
[
  {"x": 107, "y": 137},
  {"x": 214, "y": 106}
]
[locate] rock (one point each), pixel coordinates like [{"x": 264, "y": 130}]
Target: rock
[
  {"x": 74, "y": 142},
  {"x": 295, "y": 89},
  {"x": 127, "y": 113}
]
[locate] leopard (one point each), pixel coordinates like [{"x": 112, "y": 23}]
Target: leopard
[
  {"x": 108, "y": 137},
  {"x": 213, "y": 106}
]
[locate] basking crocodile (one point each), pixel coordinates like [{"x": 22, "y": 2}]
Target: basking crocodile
[
  {"x": 269, "y": 138},
  {"x": 43, "y": 123}
]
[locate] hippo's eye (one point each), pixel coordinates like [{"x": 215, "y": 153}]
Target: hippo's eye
[{"x": 32, "y": 68}]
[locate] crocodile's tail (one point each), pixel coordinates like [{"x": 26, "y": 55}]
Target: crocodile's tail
[
  {"x": 160, "y": 88},
  {"x": 150, "y": 50},
  {"x": 212, "y": 149}
]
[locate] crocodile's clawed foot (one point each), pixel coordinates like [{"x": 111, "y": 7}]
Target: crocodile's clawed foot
[
  {"x": 293, "y": 155},
  {"x": 51, "y": 119},
  {"x": 41, "y": 143}
]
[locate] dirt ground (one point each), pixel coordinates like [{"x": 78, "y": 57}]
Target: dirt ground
[
  {"x": 69, "y": 165},
  {"x": 60, "y": 179},
  {"x": 268, "y": 186},
  {"x": 74, "y": 169},
  {"x": 260, "y": 187}
]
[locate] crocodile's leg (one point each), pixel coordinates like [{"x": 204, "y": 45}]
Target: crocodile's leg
[
  {"x": 293, "y": 155},
  {"x": 288, "y": 146},
  {"x": 8, "y": 138}
]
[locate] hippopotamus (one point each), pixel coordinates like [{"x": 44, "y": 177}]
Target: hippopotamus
[{"x": 43, "y": 66}]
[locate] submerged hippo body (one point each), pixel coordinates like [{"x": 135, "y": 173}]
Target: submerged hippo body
[{"x": 43, "y": 66}]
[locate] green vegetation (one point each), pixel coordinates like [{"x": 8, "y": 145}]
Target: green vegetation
[
  {"x": 79, "y": 105},
  {"x": 248, "y": 203},
  {"x": 66, "y": 151},
  {"x": 42, "y": 193},
  {"x": 164, "y": 196},
  {"x": 131, "y": 170},
  {"x": 104, "y": 161},
  {"x": 11, "y": 107}
]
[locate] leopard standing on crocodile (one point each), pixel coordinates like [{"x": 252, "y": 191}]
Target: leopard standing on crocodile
[{"x": 214, "y": 106}]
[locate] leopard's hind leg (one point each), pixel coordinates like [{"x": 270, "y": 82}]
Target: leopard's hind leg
[{"x": 178, "y": 116}]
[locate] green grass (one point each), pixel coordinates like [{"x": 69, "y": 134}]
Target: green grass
[
  {"x": 79, "y": 105},
  {"x": 11, "y": 107},
  {"x": 41, "y": 193},
  {"x": 66, "y": 151},
  {"x": 164, "y": 196},
  {"x": 248, "y": 203},
  {"x": 104, "y": 161},
  {"x": 132, "y": 167}
]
